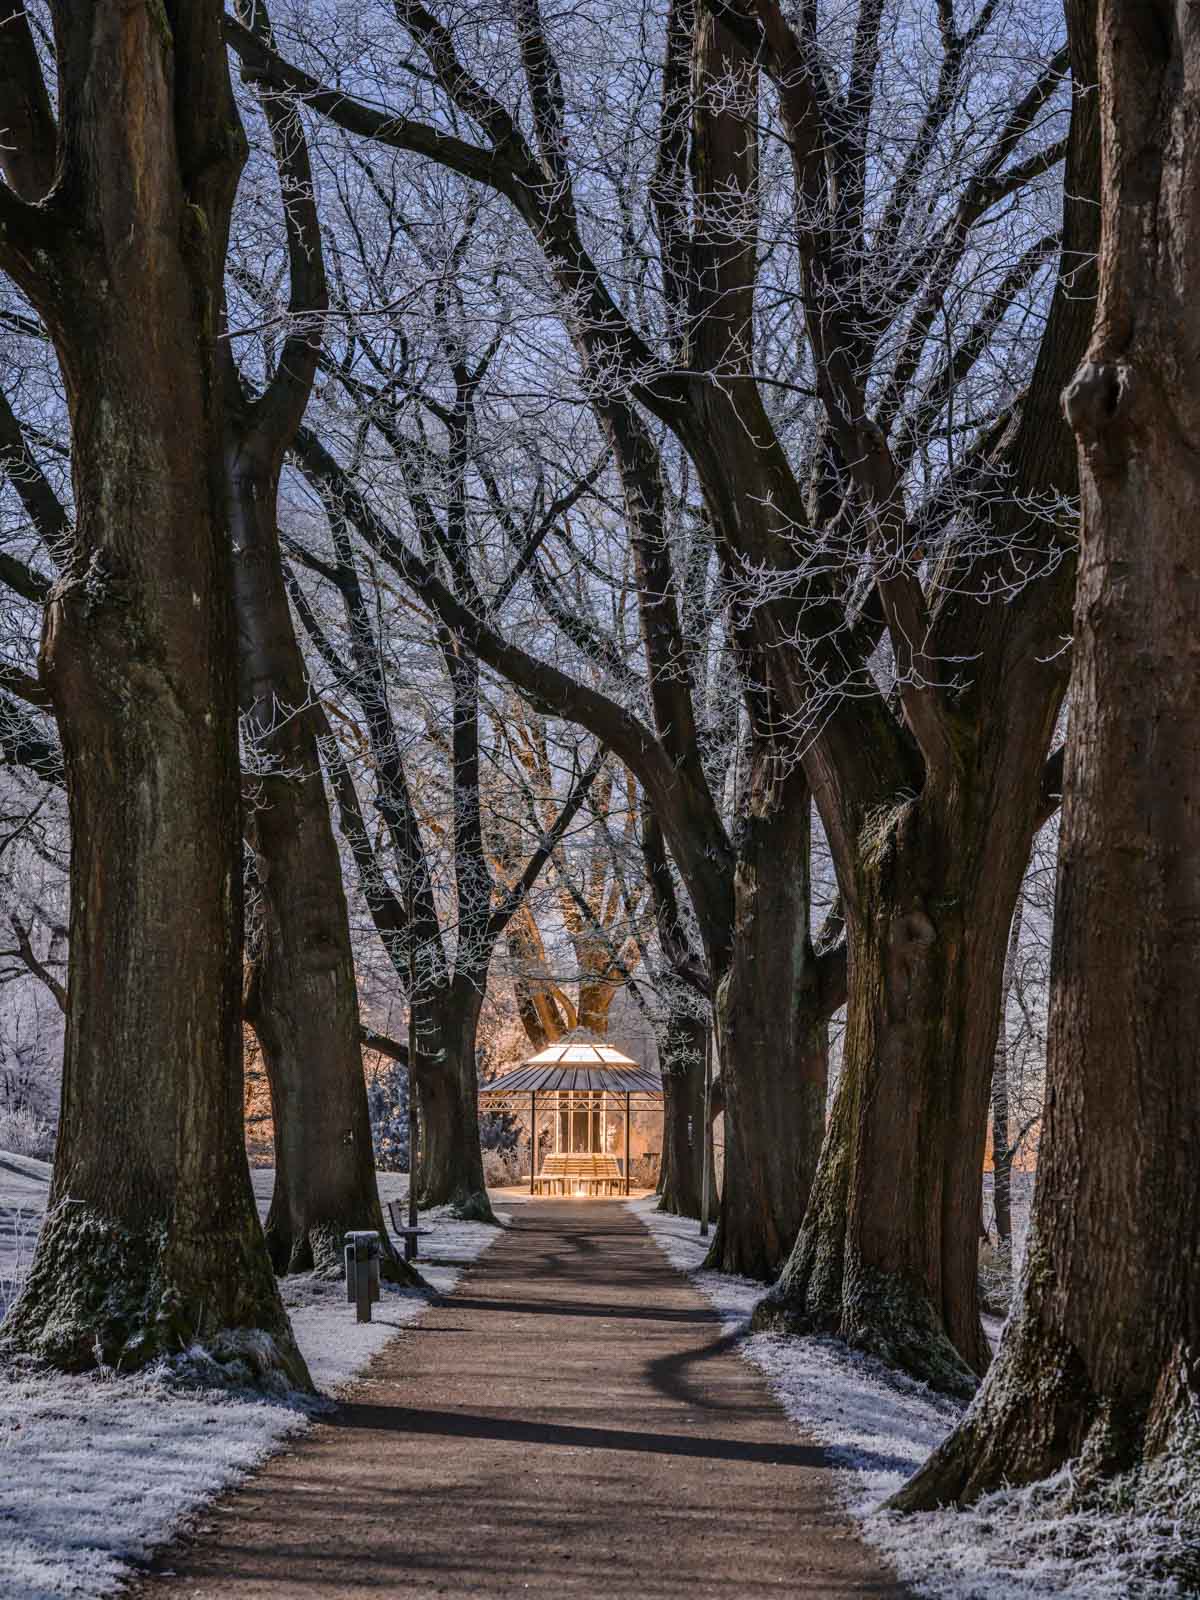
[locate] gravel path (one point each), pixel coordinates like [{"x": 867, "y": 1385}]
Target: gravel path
[{"x": 569, "y": 1423}]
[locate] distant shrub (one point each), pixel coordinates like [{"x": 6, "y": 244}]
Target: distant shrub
[
  {"x": 995, "y": 1277},
  {"x": 24, "y": 1133},
  {"x": 643, "y": 1171},
  {"x": 501, "y": 1168},
  {"x": 499, "y": 1131},
  {"x": 387, "y": 1102}
]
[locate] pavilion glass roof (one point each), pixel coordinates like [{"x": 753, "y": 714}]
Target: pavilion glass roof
[{"x": 578, "y": 1062}]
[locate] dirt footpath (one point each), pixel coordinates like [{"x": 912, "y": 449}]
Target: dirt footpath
[{"x": 569, "y": 1422}]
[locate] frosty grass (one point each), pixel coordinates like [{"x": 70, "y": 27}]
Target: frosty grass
[
  {"x": 878, "y": 1428},
  {"x": 98, "y": 1471}
]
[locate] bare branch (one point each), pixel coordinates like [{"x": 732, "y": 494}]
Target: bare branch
[
  {"x": 400, "y": 133},
  {"x": 276, "y": 414},
  {"x": 37, "y": 968}
]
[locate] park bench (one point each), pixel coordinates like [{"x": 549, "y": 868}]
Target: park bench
[
  {"x": 579, "y": 1174},
  {"x": 397, "y": 1214}
]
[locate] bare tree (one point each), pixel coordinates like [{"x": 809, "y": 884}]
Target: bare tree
[
  {"x": 603, "y": 931},
  {"x": 300, "y": 995},
  {"x": 443, "y": 969},
  {"x": 159, "y": 1245},
  {"x": 929, "y": 815},
  {"x": 855, "y": 550},
  {"x": 1107, "y": 1328}
]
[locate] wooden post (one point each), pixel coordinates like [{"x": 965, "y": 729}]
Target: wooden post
[
  {"x": 627, "y": 1141},
  {"x": 706, "y": 1142},
  {"x": 532, "y": 1138}
]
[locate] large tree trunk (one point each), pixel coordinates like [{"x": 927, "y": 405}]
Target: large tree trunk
[
  {"x": 684, "y": 1131},
  {"x": 151, "y": 1243},
  {"x": 1099, "y": 1361},
  {"x": 302, "y": 999},
  {"x": 1002, "y": 1151},
  {"x": 888, "y": 1255},
  {"x": 451, "y": 1163},
  {"x": 596, "y": 996},
  {"x": 536, "y": 995},
  {"x": 771, "y": 1031}
]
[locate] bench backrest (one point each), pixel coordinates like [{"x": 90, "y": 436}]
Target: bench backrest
[{"x": 580, "y": 1166}]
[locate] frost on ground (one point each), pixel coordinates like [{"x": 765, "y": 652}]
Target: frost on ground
[
  {"x": 879, "y": 1427},
  {"x": 98, "y": 1470}
]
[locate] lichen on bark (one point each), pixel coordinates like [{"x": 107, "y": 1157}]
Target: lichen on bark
[{"x": 100, "y": 1293}]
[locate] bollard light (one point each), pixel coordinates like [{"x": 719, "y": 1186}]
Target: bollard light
[{"x": 362, "y": 1272}]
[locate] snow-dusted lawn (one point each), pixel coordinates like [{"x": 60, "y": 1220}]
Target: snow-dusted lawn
[
  {"x": 23, "y": 1185},
  {"x": 878, "y": 1428},
  {"x": 97, "y": 1471}
]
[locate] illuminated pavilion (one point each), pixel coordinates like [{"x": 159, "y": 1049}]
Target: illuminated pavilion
[{"x": 592, "y": 1092}]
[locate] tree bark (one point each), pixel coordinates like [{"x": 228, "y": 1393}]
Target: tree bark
[
  {"x": 302, "y": 1000},
  {"x": 771, "y": 1029},
  {"x": 151, "y": 1243},
  {"x": 1098, "y": 1362},
  {"x": 536, "y": 996},
  {"x": 451, "y": 1162},
  {"x": 1002, "y": 1152},
  {"x": 888, "y": 1254},
  {"x": 682, "y": 1061},
  {"x": 596, "y": 996}
]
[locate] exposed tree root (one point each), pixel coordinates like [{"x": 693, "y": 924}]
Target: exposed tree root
[
  {"x": 1039, "y": 1410},
  {"x": 874, "y": 1312},
  {"x": 321, "y": 1250}
]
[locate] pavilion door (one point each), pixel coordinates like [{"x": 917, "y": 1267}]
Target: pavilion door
[{"x": 579, "y": 1127}]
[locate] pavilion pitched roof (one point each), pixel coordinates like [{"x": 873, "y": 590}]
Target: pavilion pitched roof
[{"x": 581, "y": 1062}]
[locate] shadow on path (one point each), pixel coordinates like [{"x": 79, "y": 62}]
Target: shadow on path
[
  {"x": 465, "y": 1425},
  {"x": 579, "y": 1427}
]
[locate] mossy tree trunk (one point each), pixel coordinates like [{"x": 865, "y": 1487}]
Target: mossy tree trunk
[
  {"x": 1099, "y": 1361},
  {"x": 888, "y": 1254},
  {"x": 151, "y": 1243}
]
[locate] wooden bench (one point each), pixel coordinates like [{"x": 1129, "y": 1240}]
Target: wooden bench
[{"x": 579, "y": 1174}]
